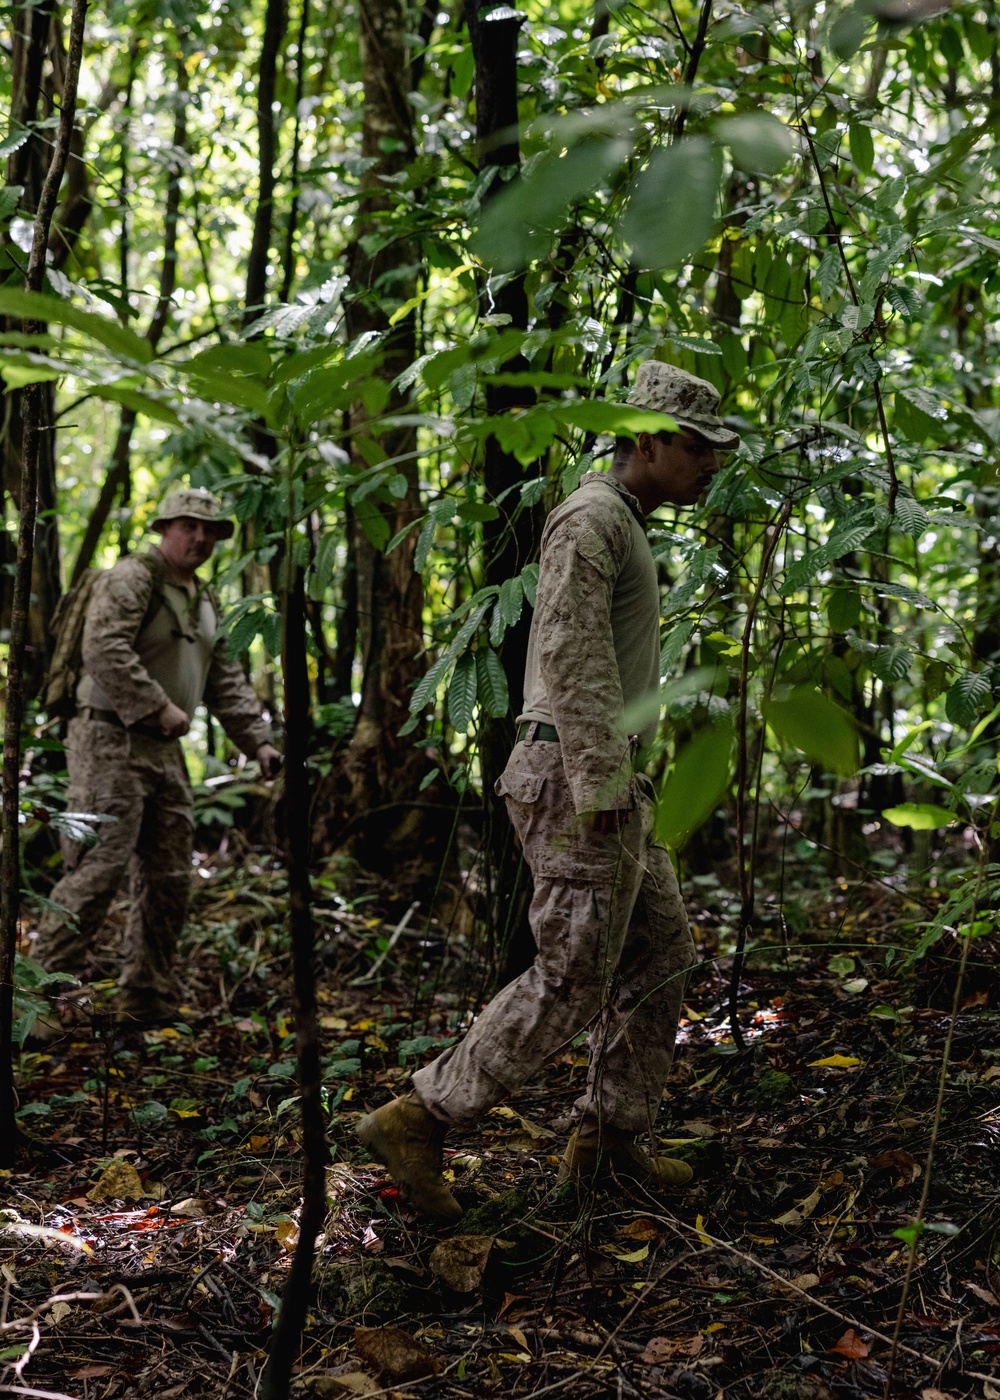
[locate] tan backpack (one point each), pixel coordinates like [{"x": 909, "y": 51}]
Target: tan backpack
[{"x": 66, "y": 628}]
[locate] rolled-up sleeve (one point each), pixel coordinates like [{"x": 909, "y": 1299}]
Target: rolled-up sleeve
[{"x": 581, "y": 559}]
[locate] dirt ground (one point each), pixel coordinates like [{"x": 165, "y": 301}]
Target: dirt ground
[{"x": 148, "y": 1227}]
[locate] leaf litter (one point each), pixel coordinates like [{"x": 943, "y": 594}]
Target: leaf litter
[{"x": 147, "y": 1233}]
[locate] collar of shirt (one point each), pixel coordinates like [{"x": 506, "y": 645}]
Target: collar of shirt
[{"x": 616, "y": 485}]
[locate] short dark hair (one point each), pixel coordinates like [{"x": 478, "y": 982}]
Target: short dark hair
[{"x": 625, "y": 446}]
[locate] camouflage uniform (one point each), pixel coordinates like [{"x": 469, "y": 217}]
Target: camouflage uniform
[
  {"x": 612, "y": 935},
  {"x": 135, "y": 775}
]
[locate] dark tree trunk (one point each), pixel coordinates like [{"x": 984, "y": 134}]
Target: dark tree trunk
[
  {"x": 35, "y": 430},
  {"x": 275, "y": 19},
  {"x": 511, "y": 540}
]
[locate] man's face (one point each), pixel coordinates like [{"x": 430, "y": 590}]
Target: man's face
[
  {"x": 186, "y": 542},
  {"x": 684, "y": 466}
]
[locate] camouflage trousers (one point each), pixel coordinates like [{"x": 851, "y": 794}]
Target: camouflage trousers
[
  {"x": 614, "y": 952},
  {"x": 143, "y": 784}
]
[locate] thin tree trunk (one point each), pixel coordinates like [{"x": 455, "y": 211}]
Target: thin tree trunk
[
  {"x": 315, "y": 1156},
  {"x": 511, "y": 540},
  {"x": 275, "y": 19},
  {"x": 33, "y": 428},
  {"x": 288, "y": 274}
]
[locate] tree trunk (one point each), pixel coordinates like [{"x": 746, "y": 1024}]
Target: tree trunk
[
  {"x": 275, "y": 19},
  {"x": 511, "y": 541},
  {"x": 34, "y": 425},
  {"x": 388, "y": 831}
]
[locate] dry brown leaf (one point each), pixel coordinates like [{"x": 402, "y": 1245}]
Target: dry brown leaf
[
  {"x": 701, "y": 1130},
  {"x": 791, "y": 1218},
  {"x": 520, "y": 1338},
  {"x": 119, "y": 1181},
  {"x": 528, "y": 1137},
  {"x": 394, "y": 1355},
  {"x": 89, "y": 1372},
  {"x": 351, "y": 1382},
  {"x": 931, "y": 1394},
  {"x": 459, "y": 1262},
  {"x": 851, "y": 1346},
  {"x": 983, "y": 1294},
  {"x": 900, "y": 1161},
  {"x": 805, "y": 1281},
  {"x": 665, "y": 1348},
  {"x": 191, "y": 1208},
  {"x": 640, "y": 1229},
  {"x": 286, "y": 1232}
]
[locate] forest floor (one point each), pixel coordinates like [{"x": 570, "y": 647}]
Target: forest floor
[{"x": 777, "y": 1273}]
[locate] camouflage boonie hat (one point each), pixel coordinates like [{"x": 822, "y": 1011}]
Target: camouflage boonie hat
[
  {"x": 694, "y": 403},
  {"x": 197, "y": 503}
]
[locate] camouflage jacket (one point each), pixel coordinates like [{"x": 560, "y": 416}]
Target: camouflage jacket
[
  {"x": 191, "y": 666},
  {"x": 594, "y": 653}
]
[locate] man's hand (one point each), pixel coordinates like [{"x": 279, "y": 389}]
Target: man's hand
[
  {"x": 173, "y": 721},
  {"x": 607, "y": 823},
  {"x": 270, "y": 760}
]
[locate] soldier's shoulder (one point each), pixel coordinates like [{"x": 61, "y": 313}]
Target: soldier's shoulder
[
  {"x": 594, "y": 505},
  {"x": 135, "y": 574}
]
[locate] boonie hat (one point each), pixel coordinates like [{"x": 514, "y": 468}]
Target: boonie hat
[
  {"x": 199, "y": 504},
  {"x": 692, "y": 402}
]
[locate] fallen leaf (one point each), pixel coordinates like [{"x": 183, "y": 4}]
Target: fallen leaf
[
  {"x": 983, "y": 1294},
  {"x": 89, "y": 1372},
  {"x": 699, "y": 1226},
  {"x": 333, "y": 1023},
  {"x": 349, "y": 1382},
  {"x": 191, "y": 1208},
  {"x": 992, "y": 1073},
  {"x": 665, "y": 1348},
  {"x": 640, "y": 1229},
  {"x": 520, "y": 1338},
  {"x": 931, "y": 1394},
  {"x": 528, "y": 1137},
  {"x": 394, "y": 1355},
  {"x": 805, "y": 1281},
  {"x": 636, "y": 1256},
  {"x": 851, "y": 1346},
  {"x": 459, "y": 1262},
  {"x": 57, "y": 1312},
  {"x": 837, "y": 1062},
  {"x": 791, "y": 1219},
  {"x": 118, "y": 1182},
  {"x": 701, "y": 1130},
  {"x": 898, "y": 1160},
  {"x": 286, "y": 1232},
  {"x": 809, "y": 1203}
]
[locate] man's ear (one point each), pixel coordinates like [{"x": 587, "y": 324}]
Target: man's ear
[{"x": 645, "y": 443}]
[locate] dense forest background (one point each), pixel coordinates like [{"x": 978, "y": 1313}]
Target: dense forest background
[{"x": 381, "y": 277}]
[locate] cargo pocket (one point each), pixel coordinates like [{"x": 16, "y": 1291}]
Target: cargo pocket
[{"x": 521, "y": 787}]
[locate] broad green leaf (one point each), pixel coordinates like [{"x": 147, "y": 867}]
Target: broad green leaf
[
  {"x": 810, "y": 721},
  {"x": 843, "y": 608},
  {"x": 248, "y": 357},
  {"x": 859, "y": 139},
  {"x": 156, "y": 409},
  {"x": 510, "y": 600},
  {"x": 518, "y": 223},
  {"x": 50, "y": 310},
  {"x": 427, "y": 685},
  {"x": 462, "y": 693},
  {"x": 16, "y": 376},
  {"x": 911, "y": 517},
  {"x": 759, "y": 141},
  {"x": 694, "y": 785},
  {"x": 492, "y": 683},
  {"x": 891, "y": 663},
  {"x": 904, "y": 300},
  {"x": 234, "y": 389},
  {"x": 373, "y": 522},
  {"x": 968, "y": 696},
  {"x": 601, "y": 416},
  {"x": 10, "y": 198},
  {"x": 921, "y": 816},
  {"x": 671, "y": 213}
]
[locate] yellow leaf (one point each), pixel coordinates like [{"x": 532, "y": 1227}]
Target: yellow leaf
[
  {"x": 333, "y": 1023},
  {"x": 634, "y": 1256},
  {"x": 364, "y": 1025},
  {"x": 502, "y": 1111},
  {"x": 287, "y": 1234},
  {"x": 712, "y": 1327},
  {"x": 376, "y": 1042},
  {"x": 186, "y": 1112},
  {"x": 838, "y": 1062},
  {"x": 168, "y": 1033},
  {"x": 519, "y": 1337},
  {"x": 699, "y": 1225}
]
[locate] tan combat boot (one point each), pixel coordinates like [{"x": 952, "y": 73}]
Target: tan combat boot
[
  {"x": 593, "y": 1153},
  {"x": 408, "y": 1139}
]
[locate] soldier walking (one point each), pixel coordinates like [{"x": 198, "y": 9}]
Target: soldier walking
[
  {"x": 612, "y": 935},
  {"x": 150, "y": 657}
]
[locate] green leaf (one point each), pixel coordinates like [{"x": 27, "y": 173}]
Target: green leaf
[
  {"x": 694, "y": 785},
  {"x": 910, "y": 517},
  {"x": 968, "y": 697},
  {"x": 373, "y": 522},
  {"x": 10, "y": 198},
  {"x": 492, "y": 683},
  {"x": 462, "y": 693},
  {"x": 17, "y": 376},
  {"x": 921, "y": 816},
  {"x": 843, "y": 608},
  {"x": 891, "y": 664},
  {"x": 859, "y": 138},
  {"x": 759, "y": 142},
  {"x": 50, "y": 310},
  {"x": 672, "y": 210},
  {"x": 810, "y": 721},
  {"x": 904, "y": 300}
]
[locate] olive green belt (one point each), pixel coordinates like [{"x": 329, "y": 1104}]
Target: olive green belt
[{"x": 545, "y": 732}]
